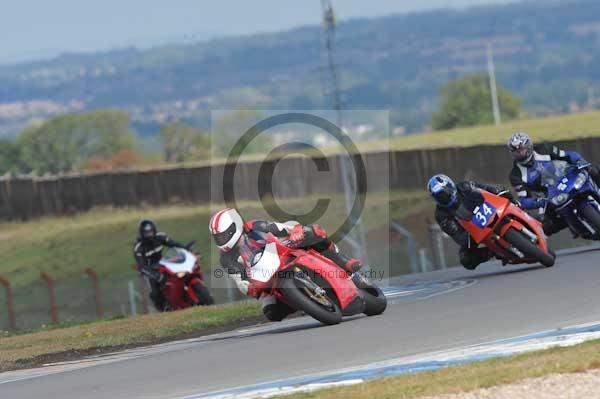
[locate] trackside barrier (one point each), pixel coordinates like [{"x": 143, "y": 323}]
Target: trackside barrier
[
  {"x": 97, "y": 294},
  {"x": 12, "y": 319},
  {"x": 52, "y": 296},
  {"x": 436, "y": 238},
  {"x": 144, "y": 294},
  {"x": 411, "y": 247},
  {"x": 143, "y": 291}
]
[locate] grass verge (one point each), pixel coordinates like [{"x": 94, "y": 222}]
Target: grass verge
[
  {"x": 59, "y": 344},
  {"x": 564, "y": 127},
  {"x": 470, "y": 377}
]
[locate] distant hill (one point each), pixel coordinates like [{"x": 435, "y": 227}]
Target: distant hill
[{"x": 547, "y": 51}]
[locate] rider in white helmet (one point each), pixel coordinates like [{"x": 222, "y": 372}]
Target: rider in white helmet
[{"x": 238, "y": 241}]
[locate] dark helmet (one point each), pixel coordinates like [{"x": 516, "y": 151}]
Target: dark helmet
[
  {"x": 521, "y": 148},
  {"x": 443, "y": 190},
  {"x": 147, "y": 229}
]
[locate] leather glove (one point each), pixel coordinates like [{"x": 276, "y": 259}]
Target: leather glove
[
  {"x": 297, "y": 233},
  {"x": 242, "y": 285},
  {"x": 541, "y": 202},
  {"x": 583, "y": 164},
  {"x": 159, "y": 277}
]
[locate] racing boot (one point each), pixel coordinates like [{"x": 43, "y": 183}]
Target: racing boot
[{"x": 350, "y": 265}]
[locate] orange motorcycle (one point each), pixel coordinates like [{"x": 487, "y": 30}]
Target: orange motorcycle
[{"x": 509, "y": 232}]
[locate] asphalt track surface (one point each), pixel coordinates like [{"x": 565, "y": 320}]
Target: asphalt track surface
[{"x": 462, "y": 308}]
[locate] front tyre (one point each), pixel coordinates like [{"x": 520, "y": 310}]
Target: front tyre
[
  {"x": 528, "y": 248},
  {"x": 375, "y": 300},
  {"x": 203, "y": 294},
  {"x": 301, "y": 297},
  {"x": 592, "y": 216}
]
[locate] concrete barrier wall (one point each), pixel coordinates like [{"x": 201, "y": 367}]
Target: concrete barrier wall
[{"x": 293, "y": 177}]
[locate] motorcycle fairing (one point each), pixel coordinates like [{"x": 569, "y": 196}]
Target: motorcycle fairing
[
  {"x": 266, "y": 263},
  {"x": 185, "y": 266},
  {"x": 344, "y": 288}
]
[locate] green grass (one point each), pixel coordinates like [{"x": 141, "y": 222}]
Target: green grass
[
  {"x": 470, "y": 377},
  {"x": 552, "y": 128},
  {"x": 548, "y": 128},
  {"x": 102, "y": 239},
  {"x": 22, "y": 349}
]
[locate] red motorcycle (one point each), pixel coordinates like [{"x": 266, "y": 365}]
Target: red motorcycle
[
  {"x": 508, "y": 231},
  {"x": 185, "y": 282},
  {"x": 307, "y": 281}
]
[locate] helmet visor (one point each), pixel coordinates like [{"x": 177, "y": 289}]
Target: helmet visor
[
  {"x": 444, "y": 197},
  {"x": 148, "y": 232},
  {"x": 521, "y": 154},
  {"x": 224, "y": 237}
]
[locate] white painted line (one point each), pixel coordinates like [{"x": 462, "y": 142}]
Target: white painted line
[{"x": 569, "y": 336}]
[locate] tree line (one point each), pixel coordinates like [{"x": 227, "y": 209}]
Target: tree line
[{"x": 103, "y": 140}]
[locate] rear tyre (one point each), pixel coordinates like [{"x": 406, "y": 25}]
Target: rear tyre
[
  {"x": 529, "y": 249},
  {"x": 592, "y": 216},
  {"x": 294, "y": 293},
  {"x": 203, "y": 294}
]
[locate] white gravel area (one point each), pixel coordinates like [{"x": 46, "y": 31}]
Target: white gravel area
[{"x": 556, "y": 386}]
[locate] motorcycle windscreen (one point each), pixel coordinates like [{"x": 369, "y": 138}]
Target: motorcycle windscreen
[
  {"x": 182, "y": 262},
  {"x": 266, "y": 263}
]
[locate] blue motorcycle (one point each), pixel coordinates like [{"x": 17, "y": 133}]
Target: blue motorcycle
[{"x": 574, "y": 197}]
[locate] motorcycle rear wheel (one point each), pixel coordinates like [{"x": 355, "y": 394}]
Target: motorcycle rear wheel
[
  {"x": 529, "y": 249},
  {"x": 294, "y": 293},
  {"x": 203, "y": 294}
]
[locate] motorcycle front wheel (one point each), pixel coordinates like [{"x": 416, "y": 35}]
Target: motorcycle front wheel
[
  {"x": 301, "y": 293},
  {"x": 375, "y": 300},
  {"x": 592, "y": 216},
  {"x": 529, "y": 248},
  {"x": 203, "y": 294}
]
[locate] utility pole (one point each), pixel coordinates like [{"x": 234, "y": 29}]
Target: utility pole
[
  {"x": 493, "y": 87},
  {"x": 355, "y": 237}
]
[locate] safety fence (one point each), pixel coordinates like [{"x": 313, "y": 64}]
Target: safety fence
[
  {"x": 80, "y": 297},
  {"x": 25, "y": 198},
  {"x": 75, "y": 299}
]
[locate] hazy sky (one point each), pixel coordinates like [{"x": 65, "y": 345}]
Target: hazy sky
[{"x": 41, "y": 28}]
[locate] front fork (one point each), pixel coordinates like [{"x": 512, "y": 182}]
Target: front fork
[{"x": 511, "y": 248}]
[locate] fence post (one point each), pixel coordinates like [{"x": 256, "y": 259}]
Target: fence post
[
  {"x": 144, "y": 294},
  {"x": 12, "y": 320},
  {"x": 132, "y": 297},
  {"x": 97, "y": 294},
  {"x": 436, "y": 237},
  {"x": 52, "y": 294},
  {"x": 143, "y": 291},
  {"x": 411, "y": 245}
]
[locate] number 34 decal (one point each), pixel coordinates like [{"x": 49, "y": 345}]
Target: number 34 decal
[{"x": 483, "y": 214}]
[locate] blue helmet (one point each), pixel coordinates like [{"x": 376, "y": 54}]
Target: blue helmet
[{"x": 443, "y": 190}]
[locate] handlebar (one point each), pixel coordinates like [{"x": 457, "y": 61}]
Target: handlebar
[{"x": 583, "y": 165}]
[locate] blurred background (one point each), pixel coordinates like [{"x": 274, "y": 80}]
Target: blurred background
[{"x": 105, "y": 118}]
